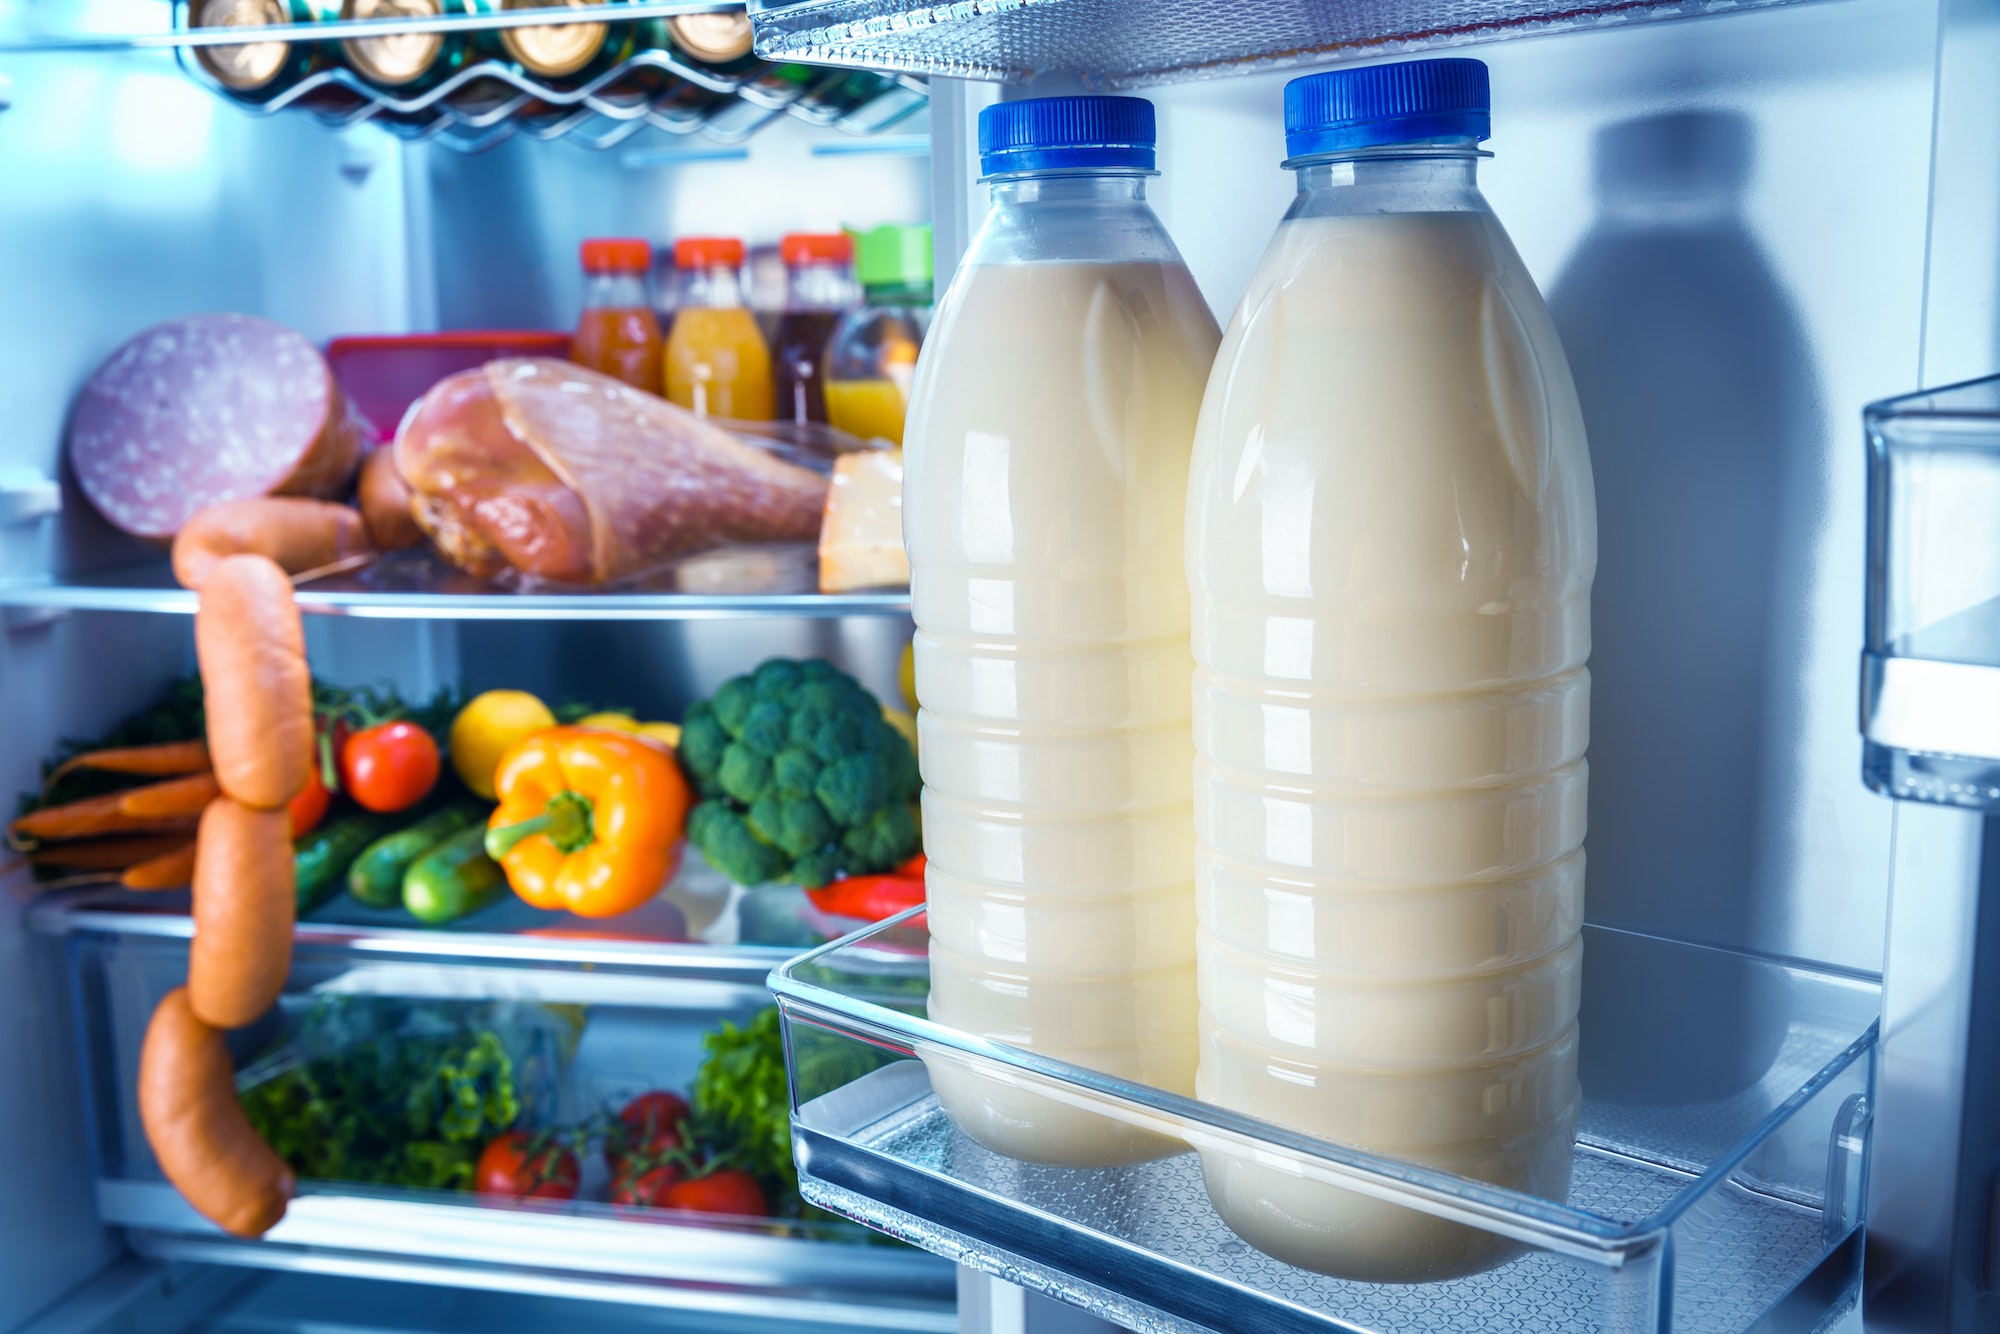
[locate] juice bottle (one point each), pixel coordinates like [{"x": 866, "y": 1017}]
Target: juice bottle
[
  {"x": 1045, "y": 493},
  {"x": 819, "y": 286},
  {"x": 1391, "y": 540},
  {"x": 871, "y": 356},
  {"x": 716, "y": 361},
  {"x": 617, "y": 332}
]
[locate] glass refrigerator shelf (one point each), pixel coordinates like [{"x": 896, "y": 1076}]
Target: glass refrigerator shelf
[
  {"x": 1017, "y": 40},
  {"x": 1717, "y": 1167}
]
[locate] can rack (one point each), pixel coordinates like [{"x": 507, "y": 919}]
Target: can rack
[{"x": 598, "y": 115}]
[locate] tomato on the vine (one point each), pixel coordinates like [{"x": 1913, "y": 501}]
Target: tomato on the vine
[
  {"x": 725, "y": 1191},
  {"x": 649, "y": 1126},
  {"x": 390, "y": 766},
  {"x": 309, "y": 807},
  {"x": 637, "y": 1184},
  {"x": 520, "y": 1167}
]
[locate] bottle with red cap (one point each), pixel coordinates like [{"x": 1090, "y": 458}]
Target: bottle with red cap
[
  {"x": 716, "y": 363},
  {"x": 819, "y": 286},
  {"x": 618, "y": 332}
]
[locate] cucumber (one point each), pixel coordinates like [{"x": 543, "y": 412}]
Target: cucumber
[
  {"x": 319, "y": 859},
  {"x": 376, "y": 877},
  {"x": 454, "y": 878}
]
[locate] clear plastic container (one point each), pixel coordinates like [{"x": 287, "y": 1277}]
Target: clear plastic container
[
  {"x": 1048, "y": 444},
  {"x": 617, "y": 332},
  {"x": 871, "y": 355},
  {"x": 716, "y": 362},
  {"x": 819, "y": 290},
  {"x": 1931, "y": 672},
  {"x": 1391, "y": 543}
]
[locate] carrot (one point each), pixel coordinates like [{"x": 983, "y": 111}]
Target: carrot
[
  {"x": 203, "y": 1141},
  {"x": 297, "y": 533},
  {"x": 252, "y": 652},
  {"x": 243, "y": 909},
  {"x": 166, "y": 759},
  {"x": 168, "y": 870},
  {"x": 108, "y": 854},
  {"x": 177, "y": 797},
  {"x": 90, "y": 817}
]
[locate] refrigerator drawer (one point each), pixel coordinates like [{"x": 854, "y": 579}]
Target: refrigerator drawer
[
  {"x": 1716, "y": 1164},
  {"x": 387, "y": 1068}
]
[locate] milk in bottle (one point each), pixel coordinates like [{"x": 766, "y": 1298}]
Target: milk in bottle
[
  {"x": 1391, "y": 538},
  {"x": 1047, "y": 453}
]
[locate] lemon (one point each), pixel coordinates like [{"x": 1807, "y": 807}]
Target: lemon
[
  {"x": 609, "y": 722},
  {"x": 486, "y": 727},
  {"x": 667, "y": 734},
  {"x": 902, "y": 722},
  {"x": 906, "y": 675}
]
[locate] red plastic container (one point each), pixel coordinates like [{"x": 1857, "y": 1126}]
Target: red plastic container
[{"x": 385, "y": 373}]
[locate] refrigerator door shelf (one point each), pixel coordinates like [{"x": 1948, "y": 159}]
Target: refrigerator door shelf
[
  {"x": 1930, "y": 675},
  {"x": 1718, "y": 1168},
  {"x": 585, "y": 1027},
  {"x": 1016, "y": 41}
]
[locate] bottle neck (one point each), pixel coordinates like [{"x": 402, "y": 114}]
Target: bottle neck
[
  {"x": 819, "y": 286},
  {"x": 716, "y": 285},
  {"x": 1438, "y": 176},
  {"x": 616, "y": 290},
  {"x": 1075, "y": 187}
]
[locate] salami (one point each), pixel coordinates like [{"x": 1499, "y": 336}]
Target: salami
[{"x": 204, "y": 409}]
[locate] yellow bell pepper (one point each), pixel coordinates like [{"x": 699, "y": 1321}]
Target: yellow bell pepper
[{"x": 588, "y": 821}]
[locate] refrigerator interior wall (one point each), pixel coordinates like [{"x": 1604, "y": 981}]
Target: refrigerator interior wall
[{"x": 1728, "y": 217}]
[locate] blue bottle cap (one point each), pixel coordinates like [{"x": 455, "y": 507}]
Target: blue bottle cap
[
  {"x": 1345, "y": 109},
  {"x": 1050, "y": 133}
]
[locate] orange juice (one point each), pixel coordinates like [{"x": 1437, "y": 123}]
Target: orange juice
[
  {"x": 870, "y": 409},
  {"x": 716, "y": 361}
]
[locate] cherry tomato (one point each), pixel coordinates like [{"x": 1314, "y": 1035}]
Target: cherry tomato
[
  {"x": 520, "y": 1167},
  {"x": 647, "y": 1187},
  {"x": 649, "y": 1126},
  {"x": 728, "y": 1191},
  {"x": 309, "y": 807},
  {"x": 390, "y": 766}
]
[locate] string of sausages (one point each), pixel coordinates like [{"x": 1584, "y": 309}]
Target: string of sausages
[{"x": 250, "y": 645}]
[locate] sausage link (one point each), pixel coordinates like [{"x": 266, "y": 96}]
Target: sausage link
[
  {"x": 298, "y": 534},
  {"x": 385, "y": 502},
  {"x": 243, "y": 908},
  {"x": 205, "y": 1144},
  {"x": 258, "y": 691}
]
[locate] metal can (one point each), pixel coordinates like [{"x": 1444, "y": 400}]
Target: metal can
[
  {"x": 405, "y": 62},
  {"x": 259, "y": 71},
  {"x": 565, "y": 54}
]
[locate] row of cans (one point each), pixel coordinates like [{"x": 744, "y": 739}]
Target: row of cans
[{"x": 686, "y": 66}]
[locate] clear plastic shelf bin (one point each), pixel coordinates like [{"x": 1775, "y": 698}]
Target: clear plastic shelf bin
[
  {"x": 1930, "y": 675},
  {"x": 1718, "y": 1165}
]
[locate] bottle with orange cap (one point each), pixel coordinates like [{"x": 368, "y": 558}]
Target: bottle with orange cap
[
  {"x": 716, "y": 361},
  {"x": 819, "y": 287},
  {"x": 618, "y": 333}
]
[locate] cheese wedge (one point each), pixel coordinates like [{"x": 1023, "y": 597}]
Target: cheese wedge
[{"x": 861, "y": 535}]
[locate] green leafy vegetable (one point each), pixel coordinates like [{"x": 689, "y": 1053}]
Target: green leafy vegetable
[{"x": 384, "y": 1095}]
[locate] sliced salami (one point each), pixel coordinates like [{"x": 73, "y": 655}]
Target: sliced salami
[{"x": 205, "y": 409}]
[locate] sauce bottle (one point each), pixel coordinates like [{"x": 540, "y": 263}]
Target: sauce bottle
[
  {"x": 871, "y": 356},
  {"x": 819, "y": 287},
  {"x": 617, "y": 332},
  {"x": 716, "y": 362},
  {"x": 1391, "y": 541},
  {"x": 1045, "y": 491}
]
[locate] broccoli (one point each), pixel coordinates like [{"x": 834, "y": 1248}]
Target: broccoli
[{"x": 801, "y": 778}]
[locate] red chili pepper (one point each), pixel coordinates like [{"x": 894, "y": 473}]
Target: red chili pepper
[
  {"x": 868, "y": 897},
  {"x": 913, "y": 868}
]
